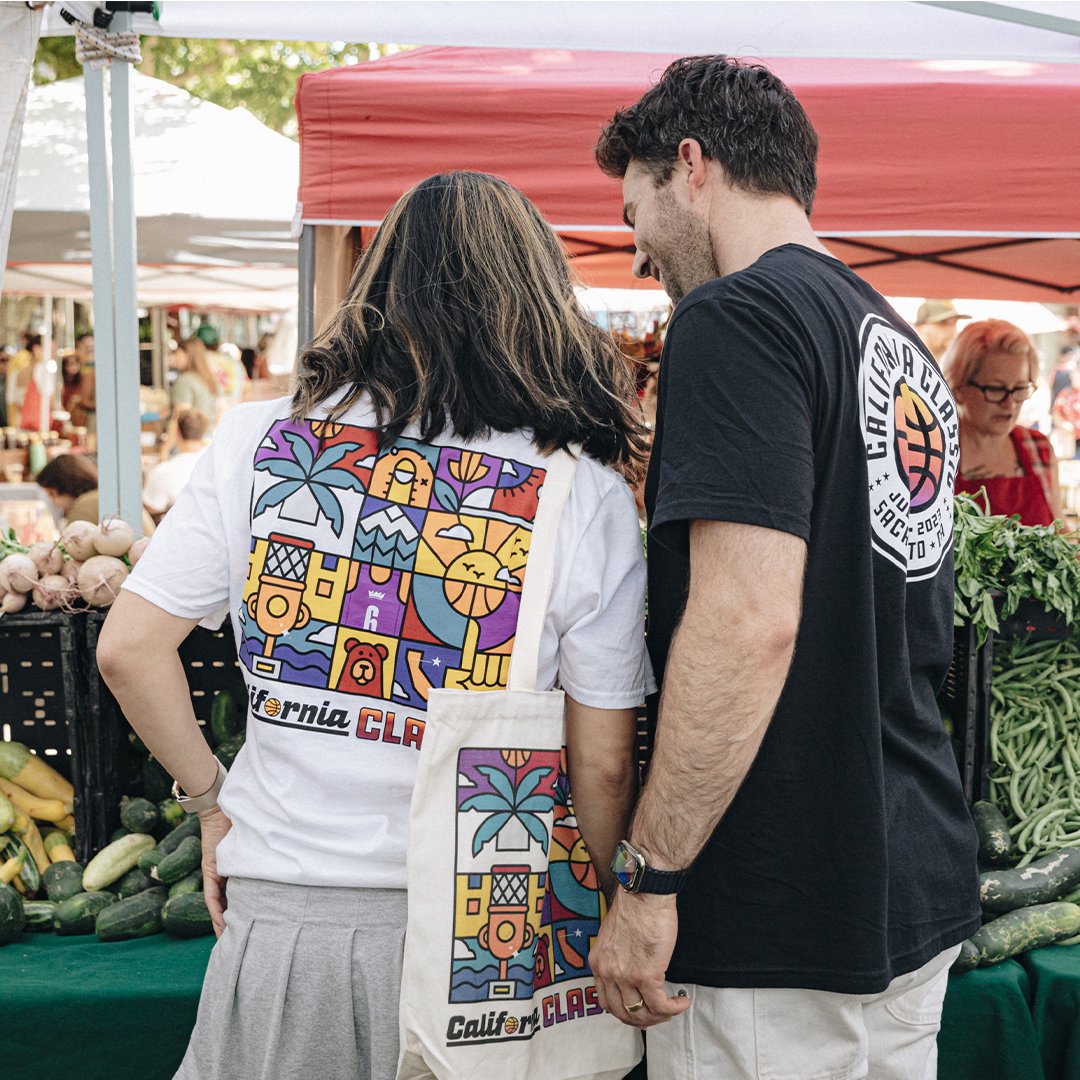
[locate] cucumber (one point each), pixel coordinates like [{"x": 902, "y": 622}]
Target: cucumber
[
  {"x": 227, "y": 751},
  {"x": 1039, "y": 882},
  {"x": 137, "y": 916},
  {"x": 39, "y": 914},
  {"x": 225, "y": 719},
  {"x": 190, "y": 826},
  {"x": 172, "y": 813},
  {"x": 12, "y": 915},
  {"x": 138, "y": 815},
  {"x": 994, "y": 840},
  {"x": 78, "y": 914},
  {"x": 136, "y": 880},
  {"x": 179, "y": 863},
  {"x": 156, "y": 782},
  {"x": 1024, "y": 929},
  {"x": 148, "y": 860},
  {"x": 114, "y": 861},
  {"x": 187, "y": 916},
  {"x": 969, "y": 958},
  {"x": 122, "y": 831},
  {"x": 63, "y": 880},
  {"x": 190, "y": 883}
]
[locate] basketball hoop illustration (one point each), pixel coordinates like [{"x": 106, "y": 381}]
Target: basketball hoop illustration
[
  {"x": 507, "y": 932},
  {"x": 276, "y": 606}
]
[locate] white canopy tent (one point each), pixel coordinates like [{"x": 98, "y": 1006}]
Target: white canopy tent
[{"x": 215, "y": 192}]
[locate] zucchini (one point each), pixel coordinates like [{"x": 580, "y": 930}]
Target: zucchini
[
  {"x": 1039, "y": 882},
  {"x": 137, "y": 916},
  {"x": 12, "y": 915},
  {"x": 114, "y": 861},
  {"x": 29, "y": 876},
  {"x": 138, "y": 815},
  {"x": 225, "y": 722},
  {"x": 63, "y": 880},
  {"x": 148, "y": 860},
  {"x": 136, "y": 880},
  {"x": 994, "y": 840},
  {"x": 39, "y": 914},
  {"x": 968, "y": 960},
  {"x": 227, "y": 751},
  {"x": 78, "y": 914},
  {"x": 187, "y": 915},
  {"x": 179, "y": 863},
  {"x": 1024, "y": 929},
  {"x": 190, "y": 883}
]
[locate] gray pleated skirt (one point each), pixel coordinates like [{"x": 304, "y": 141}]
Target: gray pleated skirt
[{"x": 303, "y": 983}]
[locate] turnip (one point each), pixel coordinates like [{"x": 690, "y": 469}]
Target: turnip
[
  {"x": 137, "y": 549},
  {"x": 78, "y": 539},
  {"x": 20, "y": 573},
  {"x": 114, "y": 537},
  {"x": 12, "y": 603},
  {"x": 48, "y": 558},
  {"x": 100, "y": 579},
  {"x": 70, "y": 570},
  {"x": 53, "y": 591}
]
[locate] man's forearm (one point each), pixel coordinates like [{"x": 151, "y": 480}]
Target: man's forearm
[{"x": 721, "y": 686}]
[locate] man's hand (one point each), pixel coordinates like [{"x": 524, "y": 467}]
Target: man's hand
[
  {"x": 631, "y": 956},
  {"x": 214, "y": 827}
]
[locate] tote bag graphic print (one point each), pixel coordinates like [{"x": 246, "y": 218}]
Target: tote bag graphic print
[{"x": 527, "y": 897}]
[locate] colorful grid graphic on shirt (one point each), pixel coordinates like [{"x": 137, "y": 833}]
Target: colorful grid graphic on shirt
[
  {"x": 384, "y": 574},
  {"x": 528, "y": 900}
]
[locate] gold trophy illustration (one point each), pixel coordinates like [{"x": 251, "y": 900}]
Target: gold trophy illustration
[{"x": 277, "y": 605}]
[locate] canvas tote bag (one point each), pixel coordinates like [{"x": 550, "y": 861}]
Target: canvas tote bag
[{"x": 504, "y": 903}]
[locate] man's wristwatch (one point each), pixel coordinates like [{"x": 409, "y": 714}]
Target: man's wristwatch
[
  {"x": 208, "y": 800},
  {"x": 636, "y": 876}
]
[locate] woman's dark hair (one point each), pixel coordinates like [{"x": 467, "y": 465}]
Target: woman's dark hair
[
  {"x": 462, "y": 315},
  {"x": 740, "y": 113},
  {"x": 69, "y": 474}
]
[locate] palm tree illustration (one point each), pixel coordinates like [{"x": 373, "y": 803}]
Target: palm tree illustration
[
  {"x": 507, "y": 802},
  {"x": 316, "y": 472}
]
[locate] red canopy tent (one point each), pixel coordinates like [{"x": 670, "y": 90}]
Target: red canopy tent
[{"x": 937, "y": 178}]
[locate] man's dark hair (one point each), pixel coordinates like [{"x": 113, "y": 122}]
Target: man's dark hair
[
  {"x": 69, "y": 474},
  {"x": 82, "y": 336},
  {"x": 742, "y": 115}
]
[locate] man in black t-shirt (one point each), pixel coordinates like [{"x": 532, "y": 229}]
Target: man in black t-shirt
[{"x": 801, "y": 866}]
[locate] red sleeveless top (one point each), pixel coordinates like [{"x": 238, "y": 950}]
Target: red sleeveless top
[{"x": 1027, "y": 495}]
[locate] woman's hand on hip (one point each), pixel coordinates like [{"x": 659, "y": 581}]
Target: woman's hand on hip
[{"x": 214, "y": 827}]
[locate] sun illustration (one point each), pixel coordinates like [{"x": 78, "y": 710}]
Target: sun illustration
[{"x": 472, "y": 585}]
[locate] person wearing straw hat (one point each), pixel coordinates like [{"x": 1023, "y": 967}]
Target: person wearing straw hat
[{"x": 935, "y": 323}]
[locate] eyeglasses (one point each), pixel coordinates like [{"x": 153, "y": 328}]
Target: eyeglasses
[{"x": 996, "y": 395}]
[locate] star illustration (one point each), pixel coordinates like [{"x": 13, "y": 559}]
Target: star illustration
[
  {"x": 577, "y": 933},
  {"x": 436, "y": 662}
]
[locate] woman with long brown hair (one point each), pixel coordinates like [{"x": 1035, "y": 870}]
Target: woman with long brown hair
[
  {"x": 196, "y": 387},
  {"x": 371, "y": 537}
]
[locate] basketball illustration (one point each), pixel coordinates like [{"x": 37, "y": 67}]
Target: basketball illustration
[
  {"x": 516, "y": 758},
  {"x": 510, "y": 1025},
  {"x": 919, "y": 445},
  {"x": 272, "y": 707},
  {"x": 472, "y": 585}
]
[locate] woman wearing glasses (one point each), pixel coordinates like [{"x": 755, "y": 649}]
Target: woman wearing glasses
[{"x": 992, "y": 367}]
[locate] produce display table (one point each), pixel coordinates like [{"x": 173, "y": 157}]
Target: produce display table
[
  {"x": 77, "y": 1008},
  {"x": 84, "y": 1010}
]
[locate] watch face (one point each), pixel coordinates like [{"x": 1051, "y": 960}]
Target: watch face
[{"x": 627, "y": 865}]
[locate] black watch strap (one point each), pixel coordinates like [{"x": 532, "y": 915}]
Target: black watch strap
[{"x": 661, "y": 882}]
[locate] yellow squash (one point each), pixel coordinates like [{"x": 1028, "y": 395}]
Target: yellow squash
[{"x": 32, "y": 773}]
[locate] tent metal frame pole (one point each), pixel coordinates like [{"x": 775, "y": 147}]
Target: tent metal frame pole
[
  {"x": 305, "y": 314},
  {"x": 125, "y": 456}
]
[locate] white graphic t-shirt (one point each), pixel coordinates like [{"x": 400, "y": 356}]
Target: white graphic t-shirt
[{"x": 358, "y": 580}]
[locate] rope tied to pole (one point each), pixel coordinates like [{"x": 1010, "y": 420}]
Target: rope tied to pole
[{"x": 99, "y": 48}]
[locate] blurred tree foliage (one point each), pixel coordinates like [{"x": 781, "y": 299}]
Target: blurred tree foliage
[{"x": 259, "y": 75}]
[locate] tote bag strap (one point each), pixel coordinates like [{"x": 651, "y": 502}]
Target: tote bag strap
[{"x": 540, "y": 571}]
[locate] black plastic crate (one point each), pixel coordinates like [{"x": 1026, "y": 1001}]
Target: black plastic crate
[
  {"x": 211, "y": 665},
  {"x": 966, "y": 698},
  {"x": 1034, "y": 623}
]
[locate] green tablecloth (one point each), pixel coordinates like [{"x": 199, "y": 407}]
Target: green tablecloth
[{"x": 77, "y": 1009}]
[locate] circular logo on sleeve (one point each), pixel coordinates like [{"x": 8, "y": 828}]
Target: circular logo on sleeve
[{"x": 912, "y": 450}]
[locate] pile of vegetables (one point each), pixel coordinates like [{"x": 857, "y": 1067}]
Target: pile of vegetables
[{"x": 85, "y": 567}]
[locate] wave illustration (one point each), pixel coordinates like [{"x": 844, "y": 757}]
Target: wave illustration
[{"x": 290, "y": 659}]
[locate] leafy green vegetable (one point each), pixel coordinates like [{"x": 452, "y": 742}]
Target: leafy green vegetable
[{"x": 1000, "y": 563}]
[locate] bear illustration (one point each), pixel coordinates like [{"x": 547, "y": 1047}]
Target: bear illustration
[{"x": 362, "y": 673}]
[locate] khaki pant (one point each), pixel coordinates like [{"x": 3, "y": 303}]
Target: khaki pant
[{"x": 746, "y": 1034}]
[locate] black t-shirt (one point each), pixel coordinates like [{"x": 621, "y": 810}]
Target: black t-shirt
[{"x": 794, "y": 398}]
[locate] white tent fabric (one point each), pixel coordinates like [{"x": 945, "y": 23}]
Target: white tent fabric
[
  {"x": 19, "y": 27},
  {"x": 215, "y": 194},
  {"x": 895, "y": 29}
]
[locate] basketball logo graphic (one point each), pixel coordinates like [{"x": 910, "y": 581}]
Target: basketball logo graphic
[
  {"x": 510, "y": 1025},
  {"x": 516, "y": 758},
  {"x": 909, "y": 426},
  {"x": 475, "y": 584},
  {"x": 920, "y": 446},
  {"x": 272, "y": 707}
]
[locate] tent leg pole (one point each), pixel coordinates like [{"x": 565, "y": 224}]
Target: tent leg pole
[
  {"x": 305, "y": 315},
  {"x": 125, "y": 456}
]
